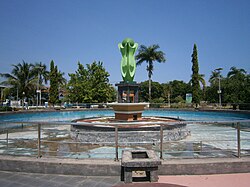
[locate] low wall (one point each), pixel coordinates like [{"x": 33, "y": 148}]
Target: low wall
[
  {"x": 92, "y": 135},
  {"x": 101, "y": 167}
]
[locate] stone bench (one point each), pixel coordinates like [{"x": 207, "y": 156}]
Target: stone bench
[{"x": 139, "y": 160}]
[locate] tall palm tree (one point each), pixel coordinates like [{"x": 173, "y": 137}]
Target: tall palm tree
[
  {"x": 42, "y": 76},
  {"x": 22, "y": 79},
  {"x": 149, "y": 55},
  {"x": 234, "y": 72},
  {"x": 42, "y": 73},
  {"x": 61, "y": 80},
  {"x": 214, "y": 76}
]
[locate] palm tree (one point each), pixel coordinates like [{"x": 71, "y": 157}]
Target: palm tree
[
  {"x": 60, "y": 77},
  {"x": 203, "y": 82},
  {"x": 149, "y": 55},
  {"x": 22, "y": 79},
  {"x": 234, "y": 72},
  {"x": 42, "y": 76},
  {"x": 42, "y": 73},
  {"x": 214, "y": 77}
]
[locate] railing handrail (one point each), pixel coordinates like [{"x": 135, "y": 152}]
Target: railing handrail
[
  {"x": 121, "y": 124},
  {"x": 118, "y": 125}
]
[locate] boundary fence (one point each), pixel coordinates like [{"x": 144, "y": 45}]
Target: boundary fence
[{"x": 198, "y": 148}]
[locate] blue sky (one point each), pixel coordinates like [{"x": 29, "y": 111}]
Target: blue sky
[{"x": 77, "y": 30}]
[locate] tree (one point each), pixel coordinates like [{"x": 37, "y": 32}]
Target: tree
[
  {"x": 214, "y": 77},
  {"x": 21, "y": 80},
  {"x": 157, "y": 91},
  {"x": 54, "y": 84},
  {"x": 42, "y": 73},
  {"x": 235, "y": 73},
  {"x": 236, "y": 86},
  {"x": 149, "y": 55},
  {"x": 203, "y": 83},
  {"x": 42, "y": 76},
  {"x": 177, "y": 89},
  {"x": 90, "y": 84},
  {"x": 196, "y": 92}
]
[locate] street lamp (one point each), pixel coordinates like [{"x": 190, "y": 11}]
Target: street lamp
[
  {"x": 23, "y": 99},
  {"x": 219, "y": 91}
]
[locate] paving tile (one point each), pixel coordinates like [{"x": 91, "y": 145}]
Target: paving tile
[
  {"x": 18, "y": 179},
  {"x": 112, "y": 180},
  {"x": 88, "y": 183},
  {"x": 48, "y": 184},
  {"x": 61, "y": 179},
  {"x": 74, "y": 181},
  {"x": 4, "y": 183},
  {"x": 4, "y": 174},
  {"x": 15, "y": 184},
  {"x": 47, "y": 177}
]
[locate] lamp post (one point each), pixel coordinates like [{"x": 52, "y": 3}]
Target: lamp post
[
  {"x": 17, "y": 97},
  {"x": 23, "y": 100},
  {"x": 37, "y": 91},
  {"x": 219, "y": 91}
]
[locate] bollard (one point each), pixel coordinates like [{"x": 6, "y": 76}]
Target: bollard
[{"x": 161, "y": 142}]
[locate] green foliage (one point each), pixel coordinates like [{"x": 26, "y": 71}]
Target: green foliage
[
  {"x": 149, "y": 55},
  {"x": 157, "y": 90},
  {"x": 5, "y": 108},
  {"x": 21, "y": 80},
  {"x": 176, "y": 89},
  {"x": 157, "y": 102},
  {"x": 54, "y": 84},
  {"x": 235, "y": 87},
  {"x": 196, "y": 91},
  {"x": 90, "y": 84},
  {"x": 179, "y": 99}
]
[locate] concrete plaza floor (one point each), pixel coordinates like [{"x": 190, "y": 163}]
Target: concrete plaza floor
[{"x": 19, "y": 179}]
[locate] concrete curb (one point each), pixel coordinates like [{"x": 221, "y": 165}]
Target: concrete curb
[
  {"x": 85, "y": 167},
  {"x": 205, "y": 166},
  {"x": 102, "y": 167}
]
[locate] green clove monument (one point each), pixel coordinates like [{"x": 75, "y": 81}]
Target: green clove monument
[
  {"x": 128, "y": 107},
  {"x": 128, "y": 48}
]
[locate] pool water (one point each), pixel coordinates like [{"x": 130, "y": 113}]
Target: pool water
[
  {"x": 209, "y": 135},
  {"x": 67, "y": 116}
]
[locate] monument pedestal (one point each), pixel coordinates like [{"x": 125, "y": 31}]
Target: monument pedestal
[
  {"x": 128, "y": 92},
  {"x": 128, "y": 111}
]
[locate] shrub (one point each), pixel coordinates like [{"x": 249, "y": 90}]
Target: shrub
[{"x": 5, "y": 108}]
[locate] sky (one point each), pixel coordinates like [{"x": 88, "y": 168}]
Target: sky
[{"x": 68, "y": 31}]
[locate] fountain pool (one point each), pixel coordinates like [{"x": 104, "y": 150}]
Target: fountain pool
[
  {"x": 199, "y": 132},
  {"x": 68, "y": 116}
]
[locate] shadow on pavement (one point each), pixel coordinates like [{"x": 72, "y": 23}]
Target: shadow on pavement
[{"x": 149, "y": 185}]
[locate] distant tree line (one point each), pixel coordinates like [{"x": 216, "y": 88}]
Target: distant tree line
[
  {"x": 90, "y": 83},
  {"x": 235, "y": 89}
]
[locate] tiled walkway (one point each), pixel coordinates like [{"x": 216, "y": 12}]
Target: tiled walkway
[{"x": 18, "y": 179}]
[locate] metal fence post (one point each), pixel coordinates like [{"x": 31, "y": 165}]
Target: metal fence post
[
  {"x": 38, "y": 140},
  {"x": 161, "y": 142},
  {"x": 7, "y": 138},
  {"x": 116, "y": 144},
  {"x": 238, "y": 140}
]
